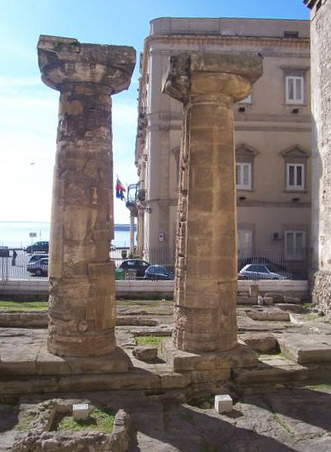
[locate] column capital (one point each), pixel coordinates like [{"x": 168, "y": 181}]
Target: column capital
[
  {"x": 65, "y": 61},
  {"x": 229, "y": 75}
]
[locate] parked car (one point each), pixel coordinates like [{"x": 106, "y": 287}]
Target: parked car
[
  {"x": 4, "y": 251},
  {"x": 259, "y": 271},
  {"x": 135, "y": 265},
  {"x": 36, "y": 257},
  {"x": 38, "y": 267},
  {"x": 262, "y": 260},
  {"x": 158, "y": 272},
  {"x": 38, "y": 246}
]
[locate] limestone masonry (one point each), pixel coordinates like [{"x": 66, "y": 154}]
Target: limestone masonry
[
  {"x": 321, "y": 166},
  {"x": 206, "y": 259},
  {"x": 82, "y": 290}
]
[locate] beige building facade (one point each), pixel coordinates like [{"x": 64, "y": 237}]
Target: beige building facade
[{"x": 272, "y": 137}]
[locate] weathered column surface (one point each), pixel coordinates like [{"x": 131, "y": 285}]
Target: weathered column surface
[
  {"x": 82, "y": 287},
  {"x": 206, "y": 261},
  {"x": 320, "y": 33}
]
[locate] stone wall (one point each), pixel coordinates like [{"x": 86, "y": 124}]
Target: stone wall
[{"x": 321, "y": 109}]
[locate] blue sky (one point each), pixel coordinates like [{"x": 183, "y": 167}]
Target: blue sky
[{"x": 28, "y": 113}]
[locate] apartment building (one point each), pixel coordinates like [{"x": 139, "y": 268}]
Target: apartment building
[{"x": 272, "y": 134}]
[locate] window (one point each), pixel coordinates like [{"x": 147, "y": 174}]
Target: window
[
  {"x": 295, "y": 176},
  {"x": 295, "y": 245},
  {"x": 294, "y": 89},
  {"x": 291, "y": 34},
  {"x": 245, "y": 243},
  {"x": 244, "y": 176}
]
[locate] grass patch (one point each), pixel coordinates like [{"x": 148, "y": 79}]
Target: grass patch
[
  {"x": 24, "y": 421},
  {"x": 99, "y": 420},
  {"x": 312, "y": 317},
  {"x": 319, "y": 387},
  {"x": 149, "y": 340},
  {"x": 283, "y": 424},
  {"x": 23, "y": 305}
]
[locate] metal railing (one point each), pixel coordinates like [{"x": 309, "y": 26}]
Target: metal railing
[
  {"x": 15, "y": 268},
  {"x": 294, "y": 268}
]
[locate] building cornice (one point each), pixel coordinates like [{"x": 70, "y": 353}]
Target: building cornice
[{"x": 217, "y": 39}]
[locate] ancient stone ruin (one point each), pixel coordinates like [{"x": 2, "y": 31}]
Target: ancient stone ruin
[
  {"x": 82, "y": 289},
  {"x": 321, "y": 164},
  {"x": 206, "y": 261}
]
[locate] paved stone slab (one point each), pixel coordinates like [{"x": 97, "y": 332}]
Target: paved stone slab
[
  {"x": 271, "y": 370},
  {"x": 306, "y": 348}
]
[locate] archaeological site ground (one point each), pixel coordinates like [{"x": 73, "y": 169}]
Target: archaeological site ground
[{"x": 211, "y": 364}]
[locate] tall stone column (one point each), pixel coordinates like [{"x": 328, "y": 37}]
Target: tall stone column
[
  {"x": 82, "y": 288},
  {"x": 320, "y": 36},
  {"x": 206, "y": 257}
]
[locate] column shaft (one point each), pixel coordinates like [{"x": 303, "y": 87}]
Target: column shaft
[
  {"x": 82, "y": 292},
  {"x": 206, "y": 281},
  {"x": 82, "y": 286},
  {"x": 206, "y": 258}
]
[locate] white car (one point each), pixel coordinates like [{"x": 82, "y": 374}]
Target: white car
[{"x": 258, "y": 271}]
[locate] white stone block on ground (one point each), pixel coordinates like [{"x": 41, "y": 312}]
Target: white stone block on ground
[
  {"x": 80, "y": 411},
  {"x": 223, "y": 403}
]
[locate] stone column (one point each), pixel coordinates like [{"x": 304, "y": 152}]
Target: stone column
[
  {"x": 82, "y": 288},
  {"x": 206, "y": 257},
  {"x": 320, "y": 36}
]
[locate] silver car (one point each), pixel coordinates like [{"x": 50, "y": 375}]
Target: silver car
[
  {"x": 38, "y": 267},
  {"x": 258, "y": 271}
]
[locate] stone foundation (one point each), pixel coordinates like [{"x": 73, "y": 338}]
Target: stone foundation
[
  {"x": 41, "y": 438},
  {"x": 322, "y": 291}
]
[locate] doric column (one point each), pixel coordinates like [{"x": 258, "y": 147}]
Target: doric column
[
  {"x": 206, "y": 257},
  {"x": 320, "y": 38},
  {"x": 82, "y": 288}
]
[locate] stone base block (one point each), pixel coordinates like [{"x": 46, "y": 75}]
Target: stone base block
[
  {"x": 306, "y": 348},
  {"x": 260, "y": 342},
  {"x": 270, "y": 313},
  {"x": 145, "y": 353},
  {"x": 239, "y": 356},
  {"x": 41, "y": 362}
]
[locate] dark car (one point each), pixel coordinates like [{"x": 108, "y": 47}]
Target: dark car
[
  {"x": 38, "y": 267},
  {"x": 38, "y": 246},
  {"x": 4, "y": 251},
  {"x": 158, "y": 272},
  {"x": 137, "y": 266}
]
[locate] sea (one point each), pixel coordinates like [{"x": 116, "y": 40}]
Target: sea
[{"x": 19, "y": 234}]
